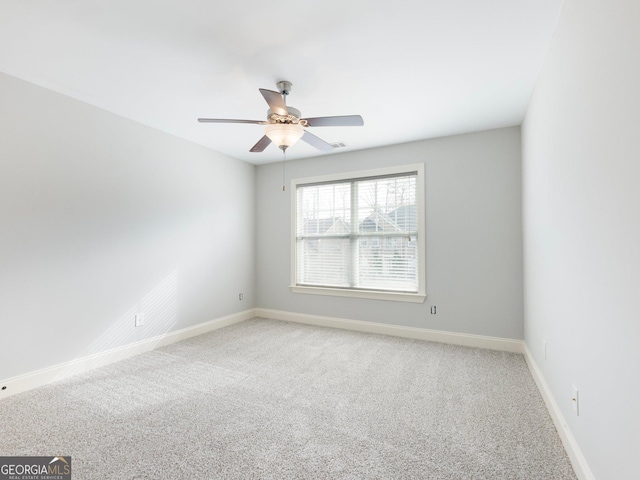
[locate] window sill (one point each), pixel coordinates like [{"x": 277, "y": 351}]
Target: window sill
[{"x": 339, "y": 292}]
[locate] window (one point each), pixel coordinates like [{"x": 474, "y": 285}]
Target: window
[{"x": 360, "y": 234}]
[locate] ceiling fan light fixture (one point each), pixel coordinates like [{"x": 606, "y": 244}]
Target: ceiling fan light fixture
[
  {"x": 284, "y": 125},
  {"x": 284, "y": 134}
]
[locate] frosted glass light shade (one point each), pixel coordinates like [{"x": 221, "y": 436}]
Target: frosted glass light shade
[{"x": 284, "y": 134}]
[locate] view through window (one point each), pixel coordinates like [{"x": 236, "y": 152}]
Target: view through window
[{"x": 359, "y": 233}]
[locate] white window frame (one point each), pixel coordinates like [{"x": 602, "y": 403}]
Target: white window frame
[{"x": 418, "y": 297}]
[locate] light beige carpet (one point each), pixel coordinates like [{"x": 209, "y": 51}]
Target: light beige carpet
[{"x": 270, "y": 399}]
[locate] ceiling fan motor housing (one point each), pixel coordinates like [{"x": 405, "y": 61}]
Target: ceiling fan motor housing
[
  {"x": 293, "y": 116},
  {"x": 284, "y": 87}
]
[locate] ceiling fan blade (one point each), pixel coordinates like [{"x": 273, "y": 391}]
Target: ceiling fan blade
[
  {"x": 261, "y": 145},
  {"x": 275, "y": 101},
  {"x": 317, "y": 142},
  {"x": 229, "y": 120},
  {"x": 341, "y": 121}
]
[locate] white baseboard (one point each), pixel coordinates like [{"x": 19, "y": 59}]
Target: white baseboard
[
  {"x": 47, "y": 375},
  {"x": 467, "y": 340},
  {"x": 578, "y": 461}
]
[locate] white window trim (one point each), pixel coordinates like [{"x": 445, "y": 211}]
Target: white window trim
[{"x": 418, "y": 297}]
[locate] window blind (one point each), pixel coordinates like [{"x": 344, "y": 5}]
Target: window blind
[{"x": 358, "y": 234}]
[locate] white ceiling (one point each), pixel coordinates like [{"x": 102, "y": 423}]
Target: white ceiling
[{"x": 412, "y": 69}]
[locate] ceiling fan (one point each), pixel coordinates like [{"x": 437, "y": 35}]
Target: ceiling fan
[{"x": 284, "y": 125}]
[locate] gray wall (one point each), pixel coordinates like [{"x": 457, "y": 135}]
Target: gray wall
[
  {"x": 581, "y": 199},
  {"x": 474, "y": 235},
  {"x": 102, "y": 218}
]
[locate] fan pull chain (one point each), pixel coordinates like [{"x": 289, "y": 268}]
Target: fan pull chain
[{"x": 284, "y": 157}]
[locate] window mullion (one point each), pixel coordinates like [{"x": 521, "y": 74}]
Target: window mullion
[
  {"x": 353, "y": 239},
  {"x": 300, "y": 243}
]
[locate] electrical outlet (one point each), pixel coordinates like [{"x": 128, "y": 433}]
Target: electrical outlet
[
  {"x": 544, "y": 349},
  {"x": 433, "y": 309},
  {"x": 139, "y": 319},
  {"x": 241, "y": 296},
  {"x": 575, "y": 400}
]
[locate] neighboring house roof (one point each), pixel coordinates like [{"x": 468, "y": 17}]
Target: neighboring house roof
[
  {"x": 378, "y": 222},
  {"x": 406, "y": 217},
  {"x": 325, "y": 226},
  {"x": 402, "y": 219}
]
